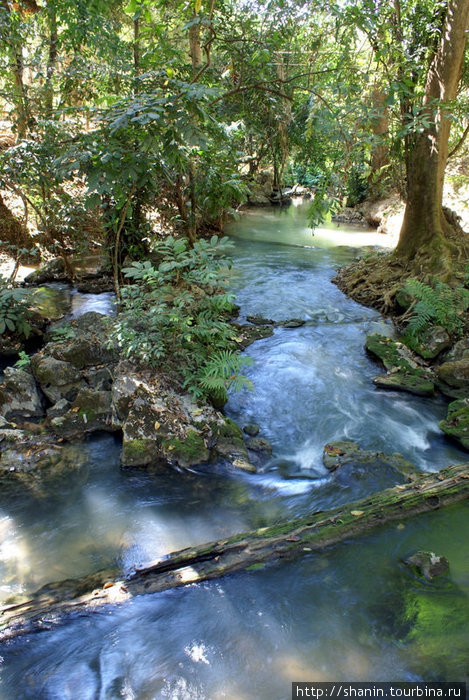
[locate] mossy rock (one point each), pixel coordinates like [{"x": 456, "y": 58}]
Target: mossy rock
[
  {"x": 413, "y": 381},
  {"x": 186, "y": 452},
  {"x": 455, "y": 374},
  {"x": 90, "y": 411},
  {"x": 433, "y": 342},
  {"x": 456, "y": 424},
  {"x": 342, "y": 452},
  {"x": 428, "y": 564},
  {"x": 248, "y": 334},
  {"x": 229, "y": 443},
  {"x": 139, "y": 452},
  {"x": 404, "y": 372},
  {"x": 386, "y": 350}
]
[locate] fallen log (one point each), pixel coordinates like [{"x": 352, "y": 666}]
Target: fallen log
[{"x": 52, "y": 603}]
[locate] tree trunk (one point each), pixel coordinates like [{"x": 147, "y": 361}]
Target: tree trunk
[
  {"x": 309, "y": 533},
  {"x": 195, "y": 46},
  {"x": 51, "y": 60},
  {"x": 379, "y": 127},
  {"x": 424, "y": 224}
]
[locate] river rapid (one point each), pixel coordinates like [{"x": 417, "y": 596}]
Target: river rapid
[{"x": 351, "y": 613}]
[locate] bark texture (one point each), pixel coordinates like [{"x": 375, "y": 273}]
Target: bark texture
[{"x": 425, "y": 224}]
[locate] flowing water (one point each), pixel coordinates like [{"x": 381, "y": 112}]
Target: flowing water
[{"x": 354, "y": 612}]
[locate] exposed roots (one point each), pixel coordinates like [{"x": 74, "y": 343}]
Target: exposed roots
[{"x": 375, "y": 280}]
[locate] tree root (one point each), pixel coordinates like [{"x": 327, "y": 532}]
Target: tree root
[{"x": 375, "y": 280}]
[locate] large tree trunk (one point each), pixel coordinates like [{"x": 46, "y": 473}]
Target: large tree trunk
[
  {"x": 424, "y": 224},
  {"x": 312, "y": 532}
]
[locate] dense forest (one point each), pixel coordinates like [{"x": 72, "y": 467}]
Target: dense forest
[{"x": 134, "y": 135}]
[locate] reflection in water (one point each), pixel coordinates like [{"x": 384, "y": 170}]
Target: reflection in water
[
  {"x": 352, "y": 613},
  {"x": 104, "y": 303}
]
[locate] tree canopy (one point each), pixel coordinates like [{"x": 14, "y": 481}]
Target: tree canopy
[{"x": 122, "y": 118}]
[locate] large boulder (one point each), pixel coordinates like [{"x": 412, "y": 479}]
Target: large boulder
[
  {"x": 90, "y": 411},
  {"x": 19, "y": 395},
  {"x": 384, "y": 214},
  {"x": 57, "y": 379},
  {"x": 52, "y": 271},
  {"x": 88, "y": 343},
  {"x": 454, "y": 375},
  {"x": 262, "y": 189},
  {"x": 162, "y": 424},
  {"x": 456, "y": 423}
]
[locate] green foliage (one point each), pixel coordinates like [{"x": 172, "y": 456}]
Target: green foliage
[
  {"x": 14, "y": 310},
  {"x": 23, "y": 361},
  {"x": 323, "y": 205},
  {"x": 34, "y": 166},
  {"x": 176, "y": 314},
  {"x": 357, "y": 186},
  {"x": 62, "y": 333},
  {"x": 440, "y": 305}
]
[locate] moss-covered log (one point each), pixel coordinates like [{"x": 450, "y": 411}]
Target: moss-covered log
[{"x": 52, "y": 603}]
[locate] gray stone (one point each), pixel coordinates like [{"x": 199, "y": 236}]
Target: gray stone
[
  {"x": 339, "y": 452},
  {"x": 100, "y": 379},
  {"x": 90, "y": 411},
  {"x": 251, "y": 429},
  {"x": 19, "y": 396},
  {"x": 293, "y": 323},
  {"x": 124, "y": 388},
  {"x": 433, "y": 342},
  {"x": 459, "y": 351},
  {"x": 455, "y": 374},
  {"x": 428, "y": 564},
  {"x": 258, "y": 444},
  {"x": 59, "y": 408},
  {"x": 57, "y": 379}
]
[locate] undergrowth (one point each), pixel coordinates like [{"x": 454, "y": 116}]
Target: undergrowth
[
  {"x": 437, "y": 305},
  {"x": 175, "y": 315}
]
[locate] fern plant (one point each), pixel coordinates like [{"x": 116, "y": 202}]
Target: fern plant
[
  {"x": 440, "y": 305},
  {"x": 175, "y": 315},
  {"x": 23, "y": 361},
  {"x": 217, "y": 374}
]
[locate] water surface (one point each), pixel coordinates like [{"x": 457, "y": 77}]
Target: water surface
[{"x": 354, "y": 612}]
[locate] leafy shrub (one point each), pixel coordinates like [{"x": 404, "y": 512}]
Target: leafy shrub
[
  {"x": 14, "y": 312},
  {"x": 62, "y": 333},
  {"x": 176, "y": 316},
  {"x": 440, "y": 305}
]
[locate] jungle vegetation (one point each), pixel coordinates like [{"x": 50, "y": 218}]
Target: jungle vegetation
[{"x": 128, "y": 121}]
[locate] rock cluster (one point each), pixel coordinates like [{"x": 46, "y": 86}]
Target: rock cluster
[
  {"x": 425, "y": 367},
  {"x": 80, "y": 385}
]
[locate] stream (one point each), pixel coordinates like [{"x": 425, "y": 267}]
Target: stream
[{"x": 351, "y": 613}]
